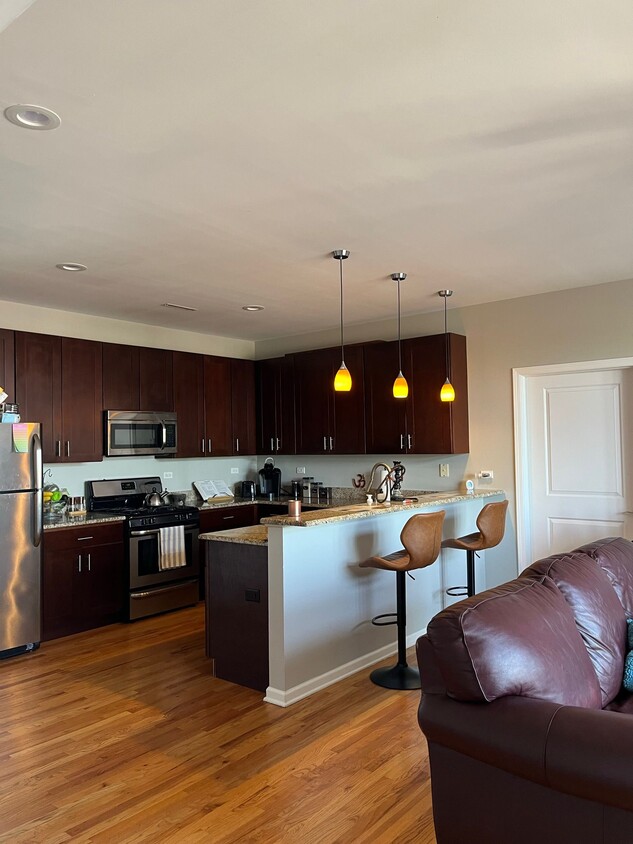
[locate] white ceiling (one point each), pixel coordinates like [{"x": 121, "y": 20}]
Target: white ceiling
[{"x": 214, "y": 153}]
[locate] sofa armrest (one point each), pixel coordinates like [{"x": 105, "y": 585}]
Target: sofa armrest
[
  {"x": 587, "y": 753},
  {"x": 590, "y": 754},
  {"x": 510, "y": 733}
]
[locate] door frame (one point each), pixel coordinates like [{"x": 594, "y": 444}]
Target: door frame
[{"x": 520, "y": 376}]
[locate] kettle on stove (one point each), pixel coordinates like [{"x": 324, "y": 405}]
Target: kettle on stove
[
  {"x": 153, "y": 498},
  {"x": 270, "y": 479}
]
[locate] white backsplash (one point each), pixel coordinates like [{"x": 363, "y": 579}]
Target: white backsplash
[
  {"x": 72, "y": 476},
  {"x": 422, "y": 471}
]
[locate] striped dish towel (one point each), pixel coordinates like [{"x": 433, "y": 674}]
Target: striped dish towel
[{"x": 172, "y": 548}]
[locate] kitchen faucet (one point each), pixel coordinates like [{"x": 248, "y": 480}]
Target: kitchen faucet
[{"x": 385, "y": 482}]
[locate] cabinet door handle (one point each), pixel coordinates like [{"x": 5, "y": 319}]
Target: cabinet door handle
[
  {"x": 209, "y": 449},
  {"x": 79, "y": 563},
  {"x": 324, "y": 443},
  {"x": 58, "y": 448},
  {"x": 84, "y": 538},
  {"x": 237, "y": 443},
  {"x": 401, "y": 442},
  {"x": 67, "y": 448},
  {"x": 277, "y": 443},
  {"x": 88, "y": 562},
  {"x": 409, "y": 440},
  {"x": 202, "y": 446},
  {"x": 272, "y": 444},
  {"x": 228, "y": 517},
  {"x": 331, "y": 443}
]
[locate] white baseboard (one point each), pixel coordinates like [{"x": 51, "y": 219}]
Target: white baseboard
[{"x": 279, "y": 697}]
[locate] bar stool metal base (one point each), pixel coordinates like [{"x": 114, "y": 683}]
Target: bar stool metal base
[
  {"x": 465, "y": 591},
  {"x": 399, "y": 677}
]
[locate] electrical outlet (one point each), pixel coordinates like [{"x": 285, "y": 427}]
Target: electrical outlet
[
  {"x": 301, "y": 470},
  {"x": 168, "y": 475},
  {"x": 234, "y": 471},
  {"x": 444, "y": 470}
]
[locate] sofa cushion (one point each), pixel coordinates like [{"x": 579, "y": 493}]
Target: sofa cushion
[
  {"x": 597, "y": 610},
  {"x": 615, "y": 556},
  {"x": 517, "y": 639}
]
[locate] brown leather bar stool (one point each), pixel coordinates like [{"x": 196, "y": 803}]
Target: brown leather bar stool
[
  {"x": 491, "y": 525},
  {"x": 421, "y": 538}
]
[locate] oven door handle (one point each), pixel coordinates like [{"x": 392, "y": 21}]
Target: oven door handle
[
  {"x": 172, "y": 588},
  {"x": 188, "y": 529}
]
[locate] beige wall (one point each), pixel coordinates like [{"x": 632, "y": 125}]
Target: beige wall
[{"x": 67, "y": 324}]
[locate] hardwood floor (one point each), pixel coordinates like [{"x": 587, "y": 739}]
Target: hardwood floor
[{"x": 122, "y": 735}]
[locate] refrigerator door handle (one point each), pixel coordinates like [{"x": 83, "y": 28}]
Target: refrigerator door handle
[{"x": 38, "y": 497}]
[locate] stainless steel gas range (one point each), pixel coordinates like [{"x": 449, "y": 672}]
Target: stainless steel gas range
[{"x": 162, "y": 543}]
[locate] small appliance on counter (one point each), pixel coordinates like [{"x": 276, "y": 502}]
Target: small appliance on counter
[
  {"x": 248, "y": 490},
  {"x": 270, "y": 479}
]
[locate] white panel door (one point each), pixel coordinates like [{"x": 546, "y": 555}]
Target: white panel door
[{"x": 578, "y": 434}]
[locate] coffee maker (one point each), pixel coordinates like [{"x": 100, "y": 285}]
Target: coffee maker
[{"x": 270, "y": 479}]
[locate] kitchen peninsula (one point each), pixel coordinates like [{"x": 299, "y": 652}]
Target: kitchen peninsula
[{"x": 302, "y": 577}]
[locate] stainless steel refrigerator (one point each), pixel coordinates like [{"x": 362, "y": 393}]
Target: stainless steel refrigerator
[{"x": 20, "y": 537}]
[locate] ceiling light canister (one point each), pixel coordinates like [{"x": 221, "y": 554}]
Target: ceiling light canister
[
  {"x": 32, "y": 117},
  {"x": 72, "y": 268},
  {"x": 343, "y": 378}
]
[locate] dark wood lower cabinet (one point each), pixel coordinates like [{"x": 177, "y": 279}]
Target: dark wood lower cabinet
[
  {"x": 237, "y": 612},
  {"x": 83, "y": 582},
  {"x": 224, "y": 518}
]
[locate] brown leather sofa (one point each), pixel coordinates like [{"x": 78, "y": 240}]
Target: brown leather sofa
[{"x": 530, "y": 734}]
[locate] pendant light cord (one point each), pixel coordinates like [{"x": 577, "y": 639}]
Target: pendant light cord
[
  {"x": 399, "y": 341},
  {"x": 446, "y": 341},
  {"x": 340, "y": 262}
]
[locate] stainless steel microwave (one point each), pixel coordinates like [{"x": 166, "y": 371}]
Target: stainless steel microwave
[{"x": 139, "y": 432}]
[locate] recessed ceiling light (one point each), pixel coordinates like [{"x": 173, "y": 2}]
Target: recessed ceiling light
[
  {"x": 72, "y": 268},
  {"x": 32, "y": 117},
  {"x": 252, "y": 307},
  {"x": 180, "y": 307}
]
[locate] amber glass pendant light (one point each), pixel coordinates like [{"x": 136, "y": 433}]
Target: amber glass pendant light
[
  {"x": 447, "y": 393},
  {"x": 342, "y": 379},
  {"x": 400, "y": 386}
]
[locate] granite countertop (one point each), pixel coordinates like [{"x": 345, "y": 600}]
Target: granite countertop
[
  {"x": 63, "y": 521},
  {"x": 252, "y": 535},
  {"x": 351, "y": 512}
]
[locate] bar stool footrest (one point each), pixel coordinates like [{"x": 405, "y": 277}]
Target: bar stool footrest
[
  {"x": 457, "y": 591},
  {"x": 392, "y": 615}
]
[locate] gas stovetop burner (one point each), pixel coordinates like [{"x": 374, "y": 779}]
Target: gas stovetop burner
[{"x": 127, "y": 497}]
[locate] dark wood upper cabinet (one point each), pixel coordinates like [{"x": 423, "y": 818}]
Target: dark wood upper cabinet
[
  {"x": 217, "y": 405},
  {"x": 385, "y": 415},
  {"x": 312, "y": 372},
  {"x": 275, "y": 410},
  {"x": 156, "y": 390},
  {"x": 7, "y": 362},
  {"x": 329, "y": 422},
  {"x": 58, "y": 384},
  {"x": 437, "y": 427},
  {"x": 38, "y": 361},
  {"x": 81, "y": 401},
  {"x": 348, "y": 409},
  {"x": 243, "y": 406},
  {"x": 189, "y": 403},
  {"x": 421, "y": 423},
  {"x": 120, "y": 377}
]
